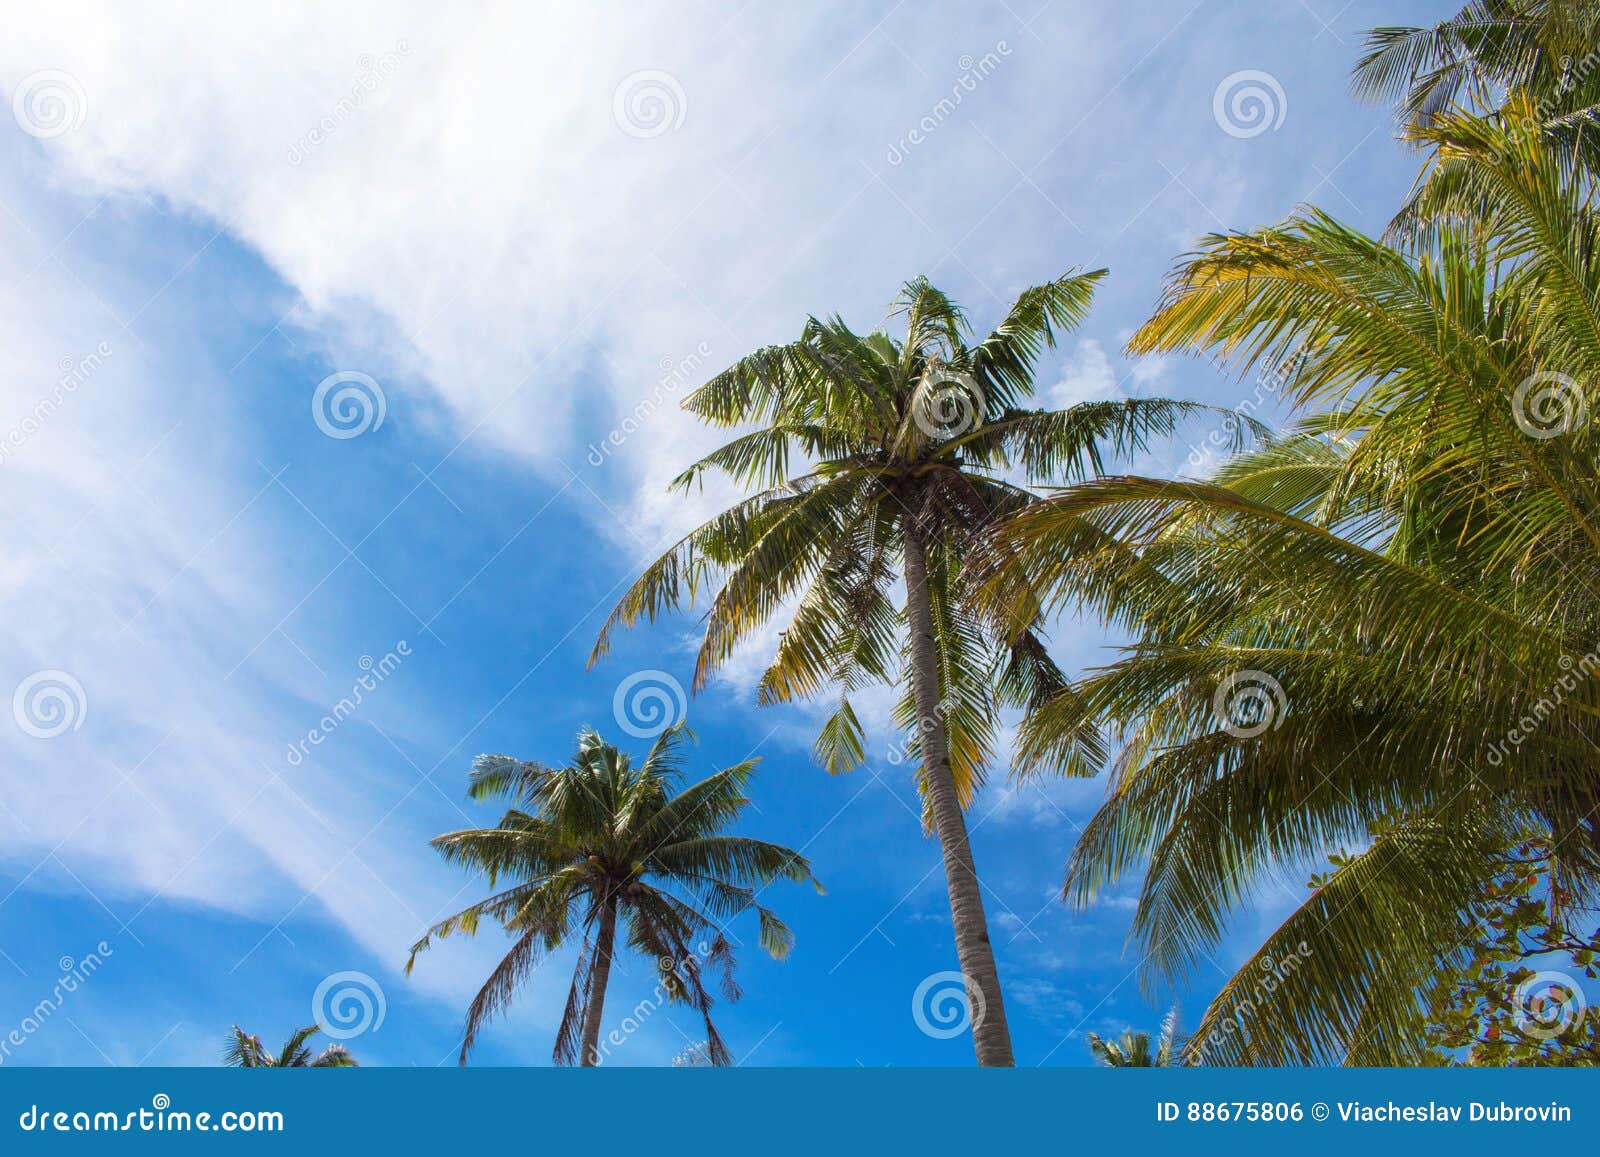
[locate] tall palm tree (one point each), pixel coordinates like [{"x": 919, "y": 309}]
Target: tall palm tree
[
  {"x": 1378, "y": 633},
  {"x": 910, "y": 446},
  {"x": 247, "y": 1052},
  {"x": 602, "y": 842},
  {"x": 1132, "y": 1049}
]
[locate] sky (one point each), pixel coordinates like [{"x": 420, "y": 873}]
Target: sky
[{"x": 340, "y": 353}]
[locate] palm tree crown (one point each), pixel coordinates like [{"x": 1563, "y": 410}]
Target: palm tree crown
[
  {"x": 1487, "y": 52},
  {"x": 603, "y": 840},
  {"x": 1132, "y": 1049},
  {"x": 876, "y": 458},
  {"x": 1378, "y": 633},
  {"x": 247, "y": 1052}
]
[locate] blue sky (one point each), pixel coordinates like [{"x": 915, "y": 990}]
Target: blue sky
[{"x": 526, "y": 229}]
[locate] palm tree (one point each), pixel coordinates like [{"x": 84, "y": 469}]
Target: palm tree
[
  {"x": 602, "y": 842},
  {"x": 694, "y": 1056},
  {"x": 247, "y": 1052},
  {"x": 1132, "y": 1049},
  {"x": 1377, "y": 633},
  {"x": 1488, "y": 52},
  {"x": 911, "y": 446}
]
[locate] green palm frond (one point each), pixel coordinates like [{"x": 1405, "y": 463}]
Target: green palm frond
[
  {"x": 244, "y": 1051},
  {"x": 1487, "y": 50},
  {"x": 1404, "y": 584}
]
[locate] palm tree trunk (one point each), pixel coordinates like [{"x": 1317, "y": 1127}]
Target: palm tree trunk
[
  {"x": 991, "y": 1036},
  {"x": 598, "y": 978}
]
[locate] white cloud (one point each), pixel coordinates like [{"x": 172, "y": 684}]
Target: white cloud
[
  {"x": 453, "y": 208},
  {"x": 457, "y": 205},
  {"x": 1047, "y": 1003},
  {"x": 145, "y": 559},
  {"x": 1088, "y": 376}
]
